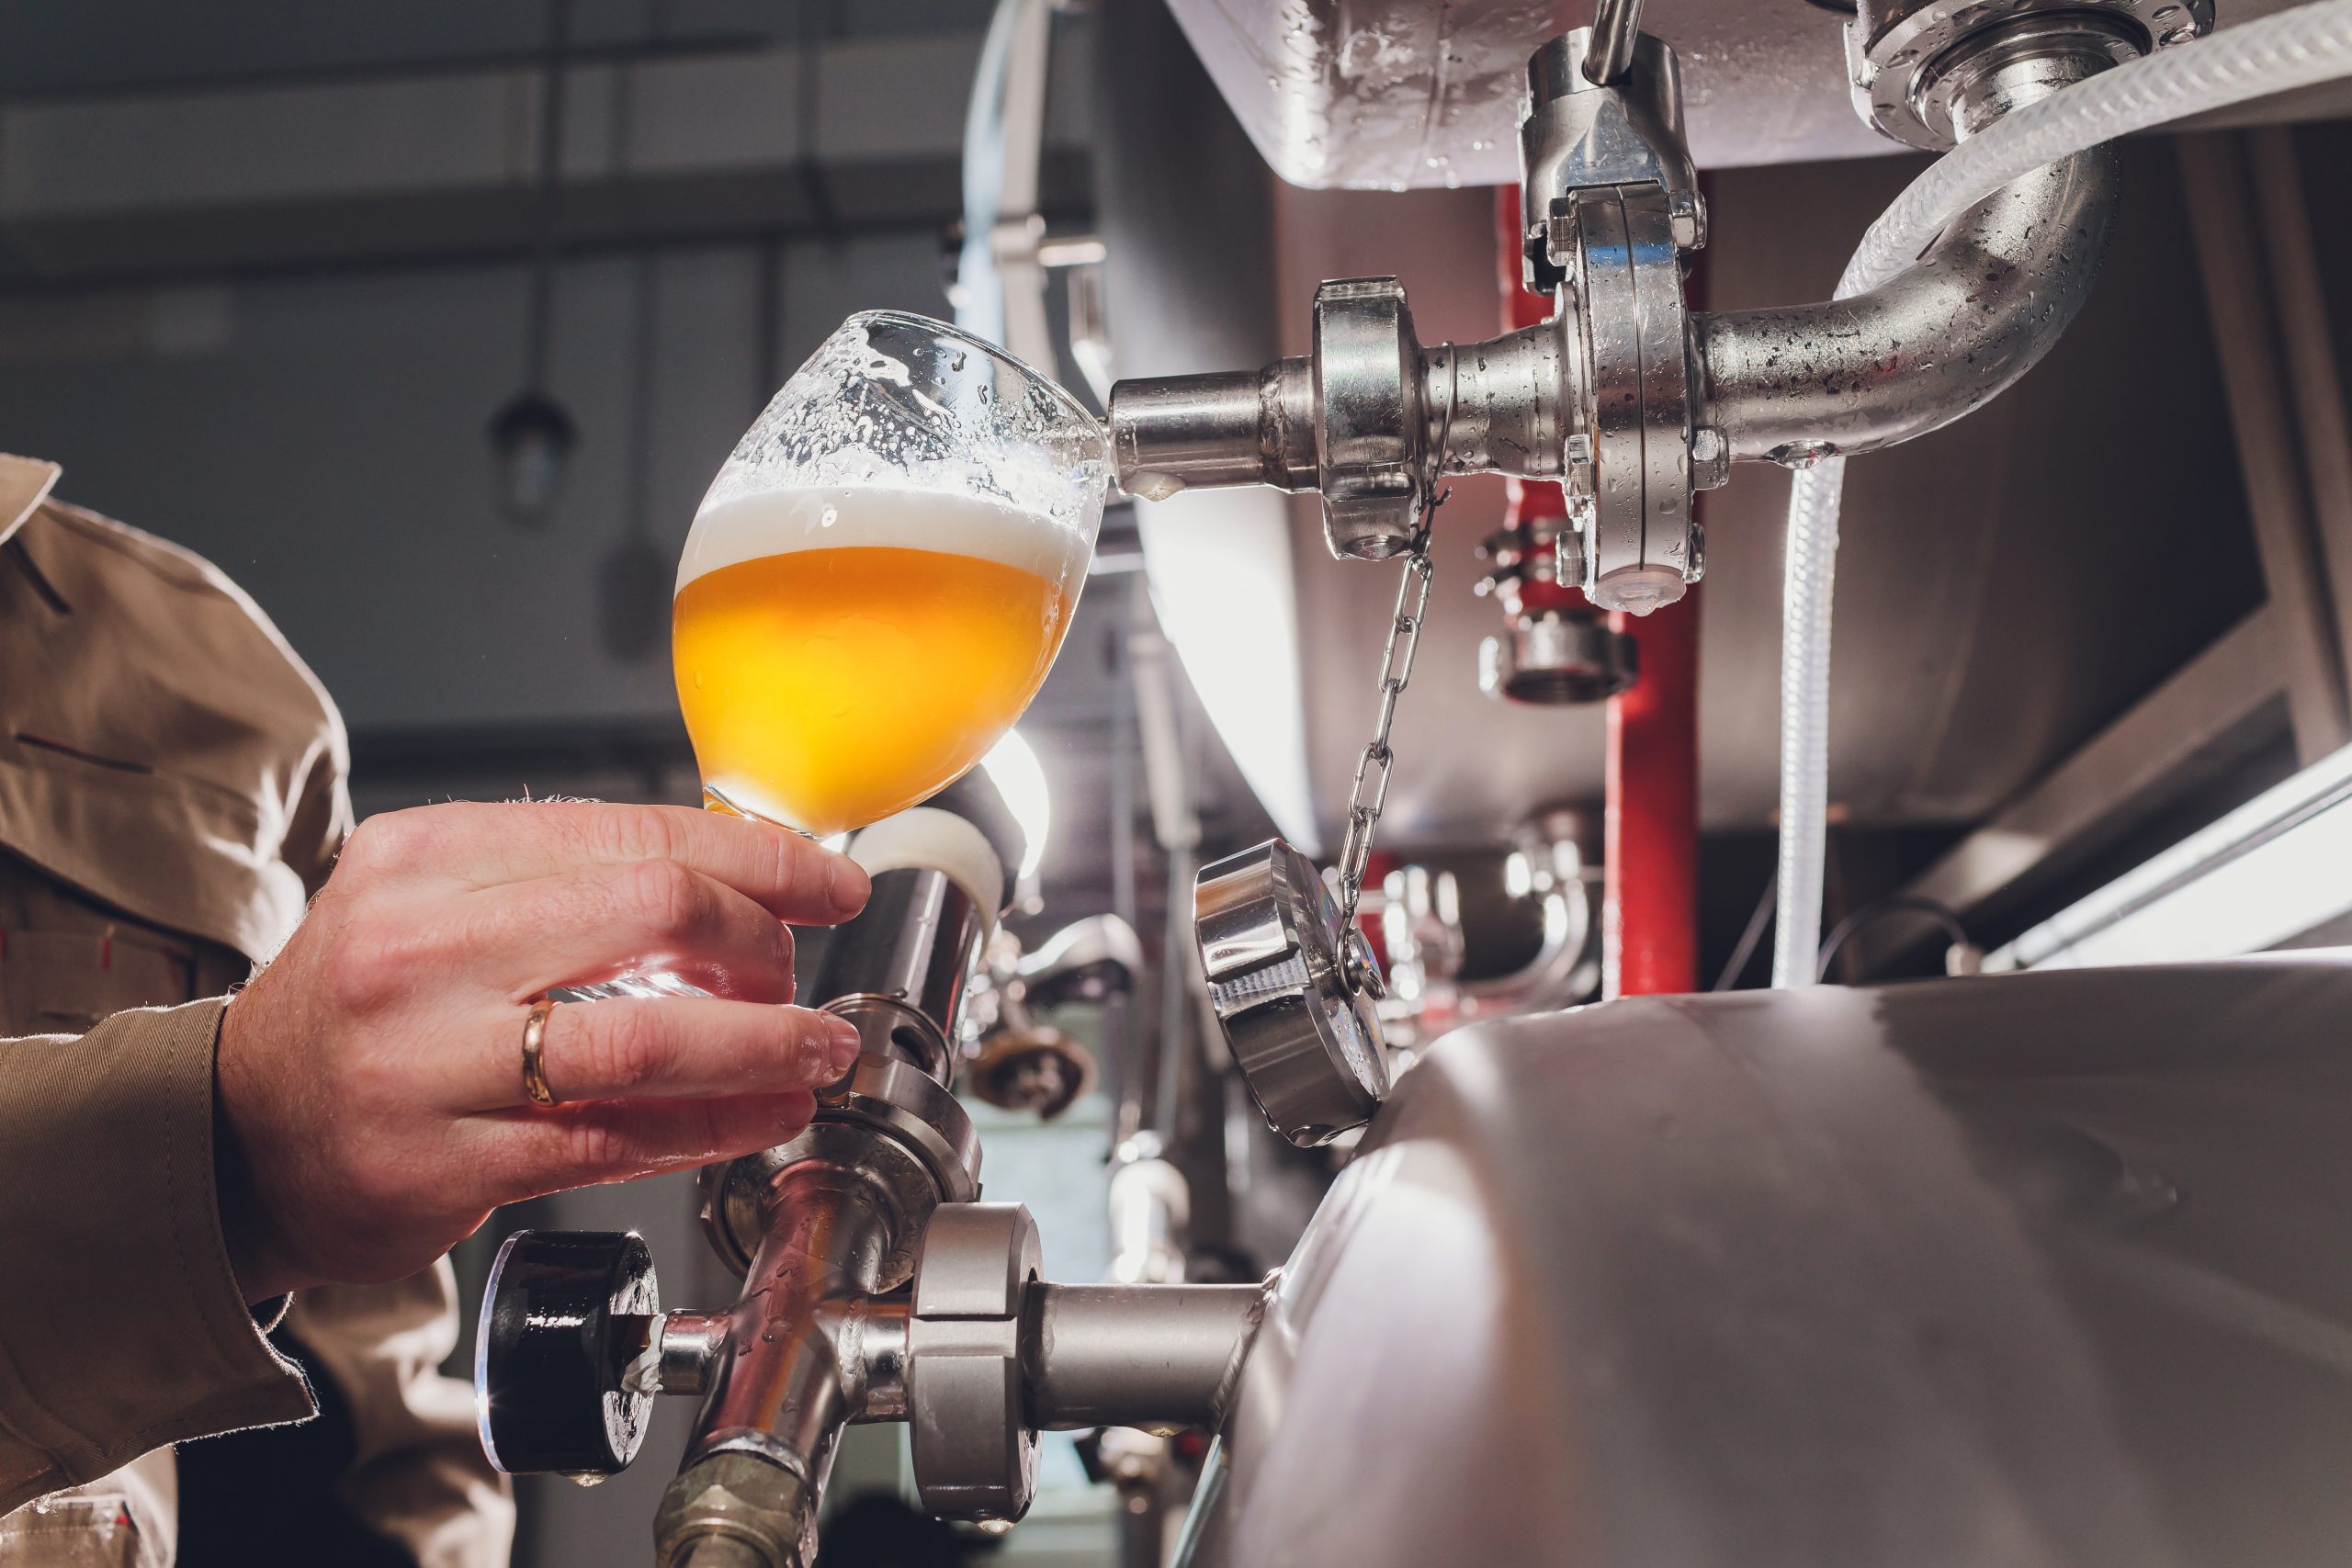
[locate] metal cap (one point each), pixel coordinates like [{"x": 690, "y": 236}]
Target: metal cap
[
  {"x": 1551, "y": 659},
  {"x": 1293, "y": 994}
]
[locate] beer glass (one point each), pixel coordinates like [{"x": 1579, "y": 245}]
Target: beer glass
[{"x": 882, "y": 574}]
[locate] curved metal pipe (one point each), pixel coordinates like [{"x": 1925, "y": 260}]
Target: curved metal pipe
[
  {"x": 1157, "y": 1356},
  {"x": 1615, "y": 25},
  {"x": 1977, "y": 312}
]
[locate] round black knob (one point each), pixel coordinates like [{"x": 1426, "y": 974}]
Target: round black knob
[{"x": 565, "y": 1313}]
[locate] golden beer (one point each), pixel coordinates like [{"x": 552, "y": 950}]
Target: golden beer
[{"x": 842, "y": 653}]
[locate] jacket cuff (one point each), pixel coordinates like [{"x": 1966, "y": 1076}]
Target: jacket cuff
[{"x": 123, "y": 1329}]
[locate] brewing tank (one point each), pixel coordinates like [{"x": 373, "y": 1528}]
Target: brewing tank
[{"x": 2039, "y": 1270}]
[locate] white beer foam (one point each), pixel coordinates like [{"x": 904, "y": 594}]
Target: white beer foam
[{"x": 781, "y": 522}]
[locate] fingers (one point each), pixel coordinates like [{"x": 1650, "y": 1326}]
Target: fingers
[
  {"x": 664, "y": 1048},
  {"x": 523, "y": 1153},
  {"x": 631, "y": 917},
  {"x": 793, "y": 878}
]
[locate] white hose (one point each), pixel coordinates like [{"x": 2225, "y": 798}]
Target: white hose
[{"x": 2310, "y": 44}]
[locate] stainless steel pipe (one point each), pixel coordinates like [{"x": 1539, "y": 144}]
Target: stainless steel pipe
[
  {"x": 1615, "y": 25},
  {"x": 1153, "y": 1356},
  {"x": 898, "y": 971},
  {"x": 1176, "y": 432},
  {"x": 1977, "y": 312},
  {"x": 827, "y": 1223},
  {"x": 765, "y": 1442}
]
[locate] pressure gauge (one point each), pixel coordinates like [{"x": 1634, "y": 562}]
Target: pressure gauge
[
  {"x": 565, "y": 1313},
  {"x": 1294, "y": 992}
]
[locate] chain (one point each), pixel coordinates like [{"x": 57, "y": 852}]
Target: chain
[{"x": 1371, "y": 792}]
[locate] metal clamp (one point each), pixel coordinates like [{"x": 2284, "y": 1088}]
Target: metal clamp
[
  {"x": 975, "y": 1454},
  {"x": 1368, "y": 434},
  {"x": 1629, "y": 479}
]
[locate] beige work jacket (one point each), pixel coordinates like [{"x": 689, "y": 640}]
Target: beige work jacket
[{"x": 172, "y": 790}]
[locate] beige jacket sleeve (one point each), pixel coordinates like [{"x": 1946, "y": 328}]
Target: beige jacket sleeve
[
  {"x": 123, "y": 1328},
  {"x": 175, "y": 777}
]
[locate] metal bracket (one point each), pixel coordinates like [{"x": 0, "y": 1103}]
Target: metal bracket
[{"x": 1576, "y": 136}]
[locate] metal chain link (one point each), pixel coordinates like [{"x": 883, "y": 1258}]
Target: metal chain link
[{"x": 1370, "y": 795}]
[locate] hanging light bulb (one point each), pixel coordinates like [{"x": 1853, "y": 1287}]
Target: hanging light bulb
[{"x": 532, "y": 435}]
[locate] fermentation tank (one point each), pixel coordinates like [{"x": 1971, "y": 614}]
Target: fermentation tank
[{"x": 2037, "y": 1270}]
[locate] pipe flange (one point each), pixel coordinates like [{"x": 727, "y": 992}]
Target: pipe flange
[
  {"x": 1901, "y": 55},
  {"x": 903, "y": 1102},
  {"x": 1368, "y": 430},
  {"x": 975, "y": 1452},
  {"x": 886, "y": 1121},
  {"x": 1628, "y": 469}
]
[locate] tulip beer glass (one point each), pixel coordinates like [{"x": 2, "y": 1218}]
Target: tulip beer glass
[{"x": 882, "y": 574}]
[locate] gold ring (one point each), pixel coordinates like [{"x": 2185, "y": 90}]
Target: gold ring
[{"x": 534, "y": 1041}]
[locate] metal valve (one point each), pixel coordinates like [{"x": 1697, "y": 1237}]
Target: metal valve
[
  {"x": 978, "y": 1358},
  {"x": 1294, "y": 992}
]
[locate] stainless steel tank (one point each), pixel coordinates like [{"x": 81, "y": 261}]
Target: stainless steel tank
[{"x": 2041, "y": 1269}]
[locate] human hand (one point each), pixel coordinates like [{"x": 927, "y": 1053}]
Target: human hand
[{"x": 372, "y": 1106}]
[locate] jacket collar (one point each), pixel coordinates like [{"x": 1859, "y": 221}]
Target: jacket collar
[{"x": 25, "y": 483}]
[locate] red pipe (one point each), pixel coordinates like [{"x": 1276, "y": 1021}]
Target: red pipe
[
  {"x": 1649, "y": 917},
  {"x": 1649, "y": 914}
]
